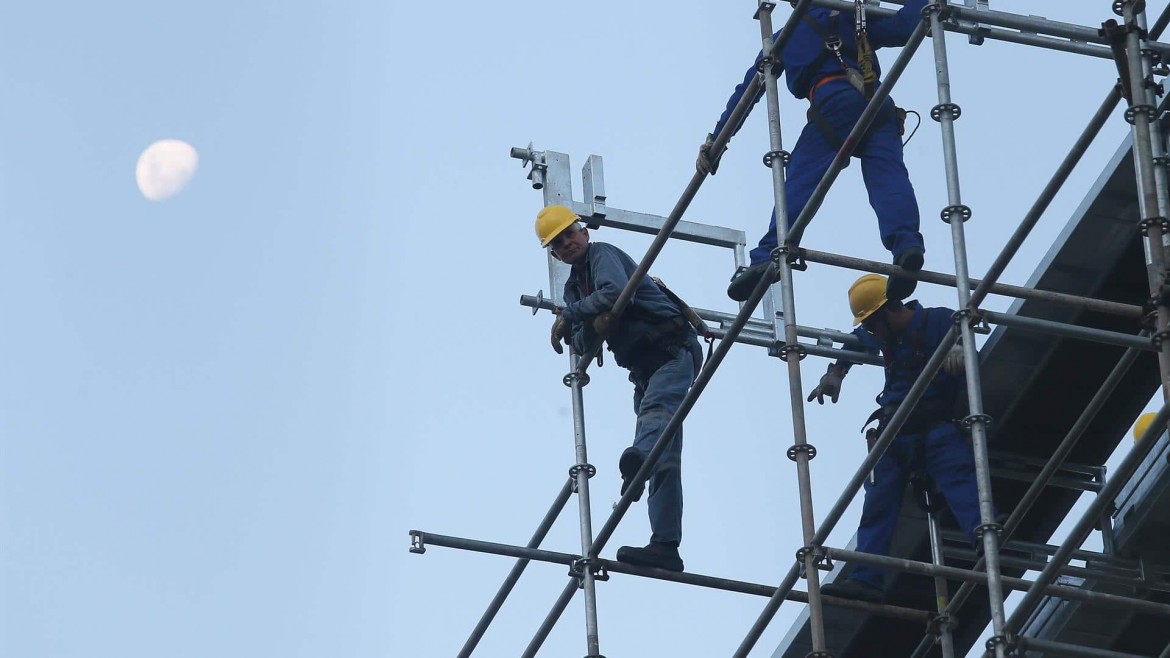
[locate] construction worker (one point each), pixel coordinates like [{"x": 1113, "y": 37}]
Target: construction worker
[
  {"x": 930, "y": 442},
  {"x": 822, "y": 63},
  {"x": 653, "y": 341}
]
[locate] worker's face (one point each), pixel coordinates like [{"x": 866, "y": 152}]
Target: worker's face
[
  {"x": 570, "y": 244},
  {"x": 877, "y": 324}
]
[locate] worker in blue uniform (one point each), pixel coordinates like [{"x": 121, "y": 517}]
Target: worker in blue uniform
[
  {"x": 654, "y": 341},
  {"x": 821, "y": 63},
  {"x": 930, "y": 442}
]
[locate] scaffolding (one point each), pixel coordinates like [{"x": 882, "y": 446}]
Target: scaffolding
[{"x": 1139, "y": 57}]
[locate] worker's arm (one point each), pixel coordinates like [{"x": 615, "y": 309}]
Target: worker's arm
[
  {"x": 734, "y": 100},
  {"x": 608, "y": 277},
  {"x": 895, "y": 31}
]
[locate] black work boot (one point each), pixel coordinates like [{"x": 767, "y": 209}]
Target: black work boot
[
  {"x": 628, "y": 465},
  {"x": 900, "y": 287},
  {"x": 853, "y": 589},
  {"x": 660, "y": 555},
  {"x": 745, "y": 279}
]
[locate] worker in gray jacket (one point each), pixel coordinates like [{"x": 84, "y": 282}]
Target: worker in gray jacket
[{"x": 653, "y": 340}]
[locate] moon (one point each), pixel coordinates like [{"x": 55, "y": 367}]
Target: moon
[{"x": 165, "y": 168}]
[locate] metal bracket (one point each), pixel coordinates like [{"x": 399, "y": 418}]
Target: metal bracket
[
  {"x": 536, "y": 159},
  {"x": 799, "y": 349},
  {"x": 939, "y": 624},
  {"x": 953, "y": 109},
  {"x": 589, "y": 469},
  {"x": 770, "y": 157},
  {"x": 417, "y": 543},
  {"x": 969, "y": 421},
  {"x": 822, "y": 561},
  {"x": 596, "y": 567}
]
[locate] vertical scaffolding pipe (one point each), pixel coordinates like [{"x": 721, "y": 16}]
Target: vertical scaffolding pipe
[
  {"x": 1088, "y": 520},
  {"x": 946, "y": 640},
  {"x": 801, "y": 451},
  {"x": 1141, "y": 115},
  {"x": 582, "y": 471},
  {"x": 1157, "y": 147},
  {"x": 517, "y": 570},
  {"x": 955, "y": 214}
]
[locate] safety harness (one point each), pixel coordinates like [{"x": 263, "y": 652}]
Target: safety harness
[{"x": 864, "y": 81}]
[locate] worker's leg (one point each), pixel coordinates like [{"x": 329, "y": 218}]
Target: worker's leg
[
  {"x": 811, "y": 158},
  {"x": 951, "y": 463},
  {"x": 879, "y": 512},
  {"x": 888, "y": 183},
  {"x": 655, "y": 404}
]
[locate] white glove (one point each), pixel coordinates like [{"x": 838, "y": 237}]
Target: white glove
[
  {"x": 830, "y": 385},
  {"x": 953, "y": 362}
]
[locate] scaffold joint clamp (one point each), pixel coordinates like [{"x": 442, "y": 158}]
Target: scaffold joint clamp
[
  {"x": 953, "y": 109},
  {"x": 1161, "y": 222},
  {"x": 595, "y": 567},
  {"x": 999, "y": 641},
  {"x": 939, "y": 624},
  {"x": 417, "y": 543},
  {"x": 589, "y": 469},
  {"x": 1131, "y": 112},
  {"x": 799, "y": 349},
  {"x": 969, "y": 421},
  {"x": 806, "y": 448},
  {"x": 963, "y": 211},
  {"x": 575, "y": 376},
  {"x": 817, "y": 553},
  {"x": 771, "y": 156}
]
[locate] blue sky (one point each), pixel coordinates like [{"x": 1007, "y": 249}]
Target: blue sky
[{"x": 222, "y": 413}]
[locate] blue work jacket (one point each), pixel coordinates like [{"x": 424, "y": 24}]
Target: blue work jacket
[
  {"x": 806, "y": 60},
  {"x": 907, "y": 353},
  {"x": 592, "y": 290}
]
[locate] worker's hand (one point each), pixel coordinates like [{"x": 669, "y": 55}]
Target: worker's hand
[
  {"x": 604, "y": 324},
  {"x": 560, "y": 331},
  {"x": 705, "y": 163},
  {"x": 953, "y": 362},
  {"x": 830, "y": 385}
]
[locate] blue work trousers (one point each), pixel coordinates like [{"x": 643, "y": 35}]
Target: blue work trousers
[
  {"x": 943, "y": 454},
  {"x": 886, "y": 180},
  {"x": 657, "y": 396}
]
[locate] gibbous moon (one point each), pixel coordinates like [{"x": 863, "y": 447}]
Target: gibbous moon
[{"x": 165, "y": 168}]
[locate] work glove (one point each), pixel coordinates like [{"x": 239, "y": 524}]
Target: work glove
[
  {"x": 953, "y": 362},
  {"x": 705, "y": 163},
  {"x": 604, "y": 324},
  {"x": 830, "y": 385},
  {"x": 560, "y": 331}
]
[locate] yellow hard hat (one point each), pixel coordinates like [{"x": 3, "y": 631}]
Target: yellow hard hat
[
  {"x": 551, "y": 220},
  {"x": 866, "y": 296},
  {"x": 1142, "y": 424}
]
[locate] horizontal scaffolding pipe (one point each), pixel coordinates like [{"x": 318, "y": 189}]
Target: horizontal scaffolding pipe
[
  {"x": 1018, "y": 584},
  {"x": 709, "y": 582},
  {"x": 1033, "y": 563},
  {"x": 1025, "y": 24},
  {"x": 1050, "y": 648},
  {"x": 517, "y": 570},
  {"x": 1069, "y": 330},
  {"x": 1020, "y": 292},
  {"x": 737, "y": 115}
]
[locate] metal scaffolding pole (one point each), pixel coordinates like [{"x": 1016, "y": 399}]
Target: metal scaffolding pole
[
  {"x": 1155, "y": 225},
  {"x": 1088, "y": 520},
  {"x": 1020, "y": 292},
  {"x": 581, "y": 471},
  {"x": 1041, "y": 482},
  {"x": 1019, "y": 584},
  {"x": 801, "y": 451},
  {"x": 942, "y": 622},
  {"x": 424, "y": 539},
  {"x": 517, "y": 570},
  {"x": 955, "y": 214},
  {"x": 1064, "y": 649}
]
